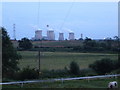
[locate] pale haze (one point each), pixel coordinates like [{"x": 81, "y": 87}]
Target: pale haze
[{"x": 96, "y": 20}]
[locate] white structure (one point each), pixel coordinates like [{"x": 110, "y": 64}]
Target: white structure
[
  {"x": 112, "y": 84},
  {"x": 38, "y": 34},
  {"x": 61, "y": 36},
  {"x": 71, "y": 36},
  {"x": 50, "y": 35}
]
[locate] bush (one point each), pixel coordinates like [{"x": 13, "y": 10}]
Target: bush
[
  {"x": 74, "y": 68},
  {"x": 103, "y": 66},
  {"x": 28, "y": 73},
  {"x": 117, "y": 71},
  {"x": 118, "y": 63},
  {"x": 54, "y": 73},
  {"x": 25, "y": 44},
  {"x": 87, "y": 72}
]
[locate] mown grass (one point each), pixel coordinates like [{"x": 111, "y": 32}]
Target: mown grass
[
  {"x": 58, "y": 60},
  {"x": 94, "y": 83}
]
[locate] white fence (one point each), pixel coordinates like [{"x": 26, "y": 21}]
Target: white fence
[{"x": 60, "y": 79}]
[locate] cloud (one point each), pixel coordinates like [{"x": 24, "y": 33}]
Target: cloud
[
  {"x": 35, "y": 27},
  {"x": 67, "y": 29}
]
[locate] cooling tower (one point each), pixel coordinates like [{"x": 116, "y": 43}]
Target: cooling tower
[
  {"x": 61, "y": 36},
  {"x": 38, "y": 34},
  {"x": 71, "y": 36},
  {"x": 50, "y": 35}
]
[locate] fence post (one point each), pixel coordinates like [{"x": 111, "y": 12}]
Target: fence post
[
  {"x": 88, "y": 79},
  {"x": 62, "y": 80},
  {"x": 21, "y": 85}
]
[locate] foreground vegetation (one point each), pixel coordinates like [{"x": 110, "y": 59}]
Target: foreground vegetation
[
  {"x": 94, "y": 83},
  {"x": 61, "y": 64},
  {"x": 60, "y": 60}
]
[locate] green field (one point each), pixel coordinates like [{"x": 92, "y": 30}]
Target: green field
[
  {"x": 94, "y": 83},
  {"x": 58, "y": 60}
]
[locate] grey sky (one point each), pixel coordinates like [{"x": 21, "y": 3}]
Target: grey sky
[{"x": 93, "y": 19}]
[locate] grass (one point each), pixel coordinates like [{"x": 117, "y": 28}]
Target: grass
[
  {"x": 58, "y": 60},
  {"x": 94, "y": 83}
]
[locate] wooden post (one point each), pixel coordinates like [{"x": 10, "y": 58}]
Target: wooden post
[{"x": 39, "y": 61}]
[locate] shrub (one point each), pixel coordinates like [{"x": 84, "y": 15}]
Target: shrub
[
  {"x": 74, "y": 68},
  {"x": 28, "y": 73},
  {"x": 103, "y": 66},
  {"x": 54, "y": 73},
  {"x": 87, "y": 72}
]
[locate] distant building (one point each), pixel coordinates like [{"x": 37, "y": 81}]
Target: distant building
[
  {"x": 71, "y": 36},
  {"x": 38, "y": 34},
  {"x": 50, "y": 35},
  {"x": 61, "y": 36}
]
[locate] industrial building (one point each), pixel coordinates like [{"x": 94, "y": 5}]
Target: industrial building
[
  {"x": 38, "y": 34},
  {"x": 50, "y": 35},
  {"x": 71, "y": 36},
  {"x": 61, "y": 36}
]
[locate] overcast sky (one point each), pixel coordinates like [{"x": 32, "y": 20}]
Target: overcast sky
[{"x": 96, "y": 20}]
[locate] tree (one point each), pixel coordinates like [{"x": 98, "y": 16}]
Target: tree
[
  {"x": 74, "y": 68},
  {"x": 116, "y": 38},
  {"x": 108, "y": 42},
  {"x": 9, "y": 56},
  {"x": 103, "y": 66},
  {"x": 118, "y": 48},
  {"x": 89, "y": 44},
  {"x": 118, "y": 54},
  {"x": 25, "y": 44}
]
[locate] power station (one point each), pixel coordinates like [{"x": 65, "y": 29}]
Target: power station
[
  {"x": 38, "y": 34},
  {"x": 50, "y": 35},
  {"x": 61, "y": 36},
  {"x": 71, "y": 36}
]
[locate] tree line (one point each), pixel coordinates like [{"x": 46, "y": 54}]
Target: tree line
[{"x": 87, "y": 45}]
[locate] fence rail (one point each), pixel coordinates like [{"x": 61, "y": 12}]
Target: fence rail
[{"x": 60, "y": 79}]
